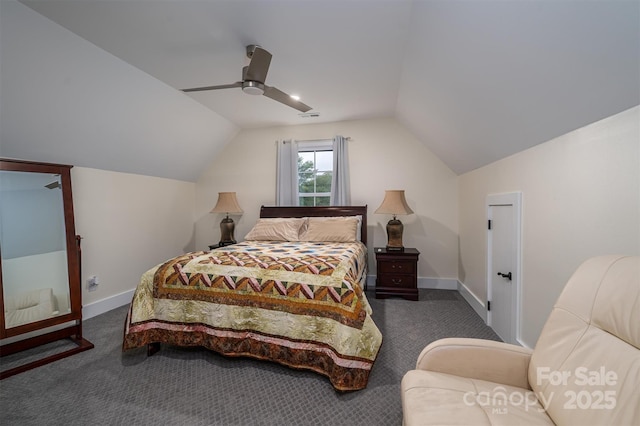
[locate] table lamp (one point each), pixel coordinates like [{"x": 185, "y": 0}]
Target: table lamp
[
  {"x": 394, "y": 203},
  {"x": 227, "y": 203}
]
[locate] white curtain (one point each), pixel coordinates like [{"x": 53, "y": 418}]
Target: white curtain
[
  {"x": 340, "y": 187},
  {"x": 287, "y": 173}
]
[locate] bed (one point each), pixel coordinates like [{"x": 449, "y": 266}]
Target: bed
[{"x": 292, "y": 292}]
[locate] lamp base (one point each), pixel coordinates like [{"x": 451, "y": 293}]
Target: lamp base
[
  {"x": 394, "y": 235},
  {"x": 226, "y": 232}
]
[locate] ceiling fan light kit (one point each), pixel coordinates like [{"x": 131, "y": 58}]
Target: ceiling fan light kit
[
  {"x": 253, "y": 78},
  {"x": 253, "y": 88}
]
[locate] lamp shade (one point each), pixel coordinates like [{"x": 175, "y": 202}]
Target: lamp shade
[
  {"x": 227, "y": 203},
  {"x": 394, "y": 203}
]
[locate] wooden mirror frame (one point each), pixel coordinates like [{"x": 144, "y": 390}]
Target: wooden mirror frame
[{"x": 74, "y": 331}]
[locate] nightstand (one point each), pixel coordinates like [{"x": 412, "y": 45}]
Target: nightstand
[{"x": 397, "y": 273}]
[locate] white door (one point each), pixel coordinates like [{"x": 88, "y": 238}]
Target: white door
[{"x": 503, "y": 266}]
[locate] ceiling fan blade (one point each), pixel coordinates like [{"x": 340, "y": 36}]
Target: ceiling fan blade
[
  {"x": 223, "y": 86},
  {"x": 280, "y": 96},
  {"x": 259, "y": 65}
]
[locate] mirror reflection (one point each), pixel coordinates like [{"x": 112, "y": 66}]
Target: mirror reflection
[{"x": 33, "y": 240}]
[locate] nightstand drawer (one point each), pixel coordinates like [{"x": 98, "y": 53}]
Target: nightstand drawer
[
  {"x": 396, "y": 267},
  {"x": 407, "y": 281}
]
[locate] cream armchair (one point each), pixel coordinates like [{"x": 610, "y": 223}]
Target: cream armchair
[{"x": 585, "y": 369}]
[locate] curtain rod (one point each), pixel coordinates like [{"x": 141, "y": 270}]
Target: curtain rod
[
  {"x": 348, "y": 138},
  {"x": 314, "y": 140}
]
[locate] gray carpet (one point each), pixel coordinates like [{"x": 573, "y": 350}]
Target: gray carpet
[{"x": 193, "y": 386}]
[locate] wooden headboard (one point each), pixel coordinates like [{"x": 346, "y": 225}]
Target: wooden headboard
[{"x": 303, "y": 211}]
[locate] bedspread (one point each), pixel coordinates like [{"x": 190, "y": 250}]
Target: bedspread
[{"x": 300, "y": 304}]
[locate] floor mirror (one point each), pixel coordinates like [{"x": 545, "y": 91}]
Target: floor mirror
[{"x": 40, "y": 277}]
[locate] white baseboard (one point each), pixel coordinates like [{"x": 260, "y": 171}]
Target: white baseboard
[
  {"x": 472, "y": 300},
  {"x": 438, "y": 283},
  {"x": 105, "y": 305},
  {"x": 371, "y": 282}
]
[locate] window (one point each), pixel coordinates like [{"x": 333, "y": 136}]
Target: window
[{"x": 315, "y": 171}]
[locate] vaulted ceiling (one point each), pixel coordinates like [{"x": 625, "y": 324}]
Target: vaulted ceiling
[{"x": 475, "y": 81}]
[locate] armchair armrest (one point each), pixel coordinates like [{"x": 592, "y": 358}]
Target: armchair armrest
[{"x": 478, "y": 359}]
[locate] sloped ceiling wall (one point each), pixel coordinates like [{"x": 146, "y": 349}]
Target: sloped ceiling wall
[
  {"x": 66, "y": 101},
  {"x": 487, "y": 79}
]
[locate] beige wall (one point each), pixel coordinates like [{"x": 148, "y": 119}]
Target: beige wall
[
  {"x": 129, "y": 223},
  {"x": 581, "y": 198},
  {"x": 382, "y": 155}
]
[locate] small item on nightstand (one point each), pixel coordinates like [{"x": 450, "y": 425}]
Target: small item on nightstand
[{"x": 220, "y": 244}]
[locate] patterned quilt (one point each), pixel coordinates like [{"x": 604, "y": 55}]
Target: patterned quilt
[{"x": 300, "y": 304}]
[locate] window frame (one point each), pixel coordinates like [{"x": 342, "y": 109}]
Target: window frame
[{"x": 314, "y": 146}]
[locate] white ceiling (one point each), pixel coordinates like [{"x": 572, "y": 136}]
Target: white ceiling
[{"x": 474, "y": 80}]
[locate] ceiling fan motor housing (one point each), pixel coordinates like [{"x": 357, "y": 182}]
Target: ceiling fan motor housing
[{"x": 253, "y": 87}]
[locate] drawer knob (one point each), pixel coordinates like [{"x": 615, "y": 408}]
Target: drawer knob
[{"x": 396, "y": 281}]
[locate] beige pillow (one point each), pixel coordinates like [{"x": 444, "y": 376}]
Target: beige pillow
[
  {"x": 358, "y": 217},
  {"x": 276, "y": 229},
  {"x": 331, "y": 229}
]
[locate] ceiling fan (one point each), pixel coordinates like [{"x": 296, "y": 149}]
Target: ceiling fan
[{"x": 253, "y": 77}]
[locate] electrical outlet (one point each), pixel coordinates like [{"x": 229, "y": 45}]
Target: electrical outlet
[{"x": 92, "y": 283}]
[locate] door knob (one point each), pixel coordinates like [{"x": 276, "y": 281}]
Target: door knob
[{"x": 507, "y": 275}]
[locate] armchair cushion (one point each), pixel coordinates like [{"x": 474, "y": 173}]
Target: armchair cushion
[
  {"x": 29, "y": 306},
  {"x": 431, "y": 398},
  {"x": 478, "y": 359}
]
